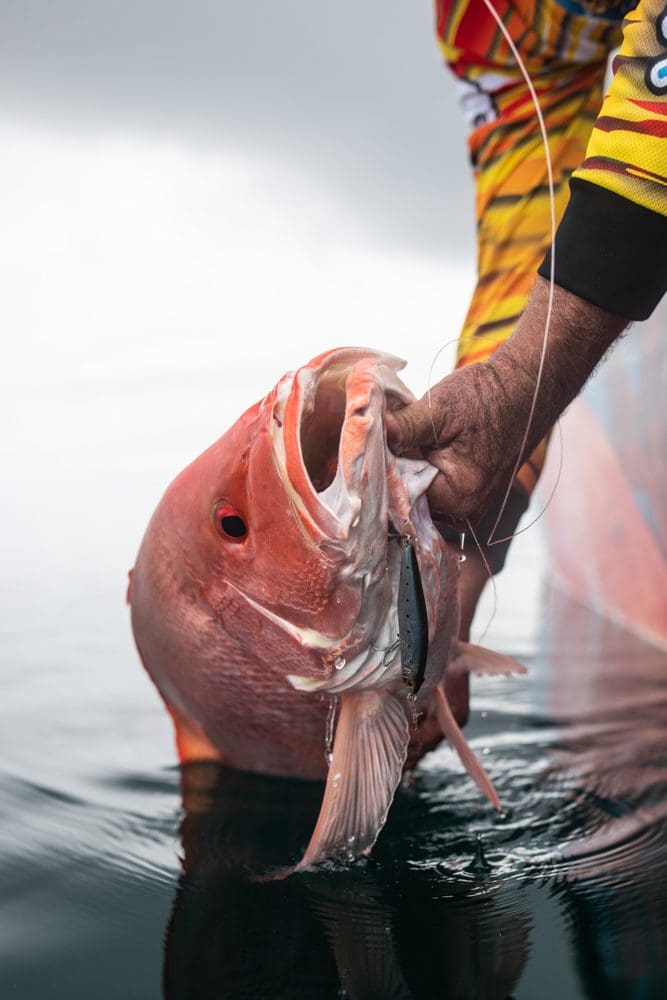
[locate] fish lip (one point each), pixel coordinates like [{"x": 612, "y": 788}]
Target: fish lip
[{"x": 303, "y": 400}]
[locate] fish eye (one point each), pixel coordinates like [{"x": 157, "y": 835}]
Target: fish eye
[{"x": 228, "y": 521}]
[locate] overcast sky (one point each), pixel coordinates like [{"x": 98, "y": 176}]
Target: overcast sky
[
  {"x": 352, "y": 92},
  {"x": 196, "y": 198}
]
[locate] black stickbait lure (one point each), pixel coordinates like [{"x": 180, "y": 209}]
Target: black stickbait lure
[{"x": 412, "y": 618}]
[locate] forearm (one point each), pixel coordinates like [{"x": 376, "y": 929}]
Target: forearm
[
  {"x": 480, "y": 421},
  {"x": 579, "y": 335},
  {"x": 472, "y": 424}
]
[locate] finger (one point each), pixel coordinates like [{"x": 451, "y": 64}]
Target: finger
[
  {"x": 394, "y": 433},
  {"x": 411, "y": 427},
  {"x": 442, "y": 501},
  {"x": 457, "y": 494}
]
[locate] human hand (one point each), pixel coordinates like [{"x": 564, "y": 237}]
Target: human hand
[
  {"x": 477, "y": 422},
  {"x": 470, "y": 426}
]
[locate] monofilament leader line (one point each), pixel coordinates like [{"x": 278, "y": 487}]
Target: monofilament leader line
[
  {"x": 552, "y": 218},
  {"x": 559, "y": 470},
  {"x": 552, "y": 213},
  {"x": 552, "y": 269}
]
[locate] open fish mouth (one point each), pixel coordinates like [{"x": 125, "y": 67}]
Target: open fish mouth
[
  {"x": 349, "y": 496},
  {"x": 345, "y": 488},
  {"x": 329, "y": 442}
]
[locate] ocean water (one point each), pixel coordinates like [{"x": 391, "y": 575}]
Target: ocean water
[
  {"x": 121, "y": 877},
  {"x": 194, "y": 202}
]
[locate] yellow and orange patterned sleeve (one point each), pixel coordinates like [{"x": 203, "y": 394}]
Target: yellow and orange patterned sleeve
[{"x": 565, "y": 51}]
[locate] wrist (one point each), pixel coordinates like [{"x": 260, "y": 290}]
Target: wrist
[{"x": 579, "y": 336}]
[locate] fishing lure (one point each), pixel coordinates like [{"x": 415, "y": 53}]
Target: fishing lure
[{"x": 412, "y": 618}]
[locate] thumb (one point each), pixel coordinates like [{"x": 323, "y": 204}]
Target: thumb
[{"x": 411, "y": 427}]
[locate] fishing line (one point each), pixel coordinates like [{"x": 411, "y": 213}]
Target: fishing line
[
  {"x": 552, "y": 272},
  {"x": 454, "y": 340},
  {"x": 491, "y": 578},
  {"x": 462, "y": 557},
  {"x": 508, "y": 538},
  {"x": 552, "y": 493},
  {"x": 552, "y": 219},
  {"x": 552, "y": 213}
]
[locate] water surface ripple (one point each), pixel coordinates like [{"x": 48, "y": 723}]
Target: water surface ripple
[{"x": 119, "y": 874}]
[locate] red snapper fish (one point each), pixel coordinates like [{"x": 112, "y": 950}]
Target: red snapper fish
[{"x": 291, "y": 579}]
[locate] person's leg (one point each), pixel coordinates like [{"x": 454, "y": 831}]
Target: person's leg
[
  {"x": 485, "y": 551},
  {"x": 473, "y": 579}
]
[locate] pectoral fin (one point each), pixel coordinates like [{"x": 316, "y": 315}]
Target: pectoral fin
[
  {"x": 458, "y": 741},
  {"x": 478, "y": 660},
  {"x": 369, "y": 751}
]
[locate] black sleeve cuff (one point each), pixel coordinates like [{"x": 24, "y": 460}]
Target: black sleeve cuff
[{"x": 610, "y": 252}]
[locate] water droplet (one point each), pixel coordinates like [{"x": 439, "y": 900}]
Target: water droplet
[
  {"x": 329, "y": 730},
  {"x": 479, "y": 864},
  {"x": 462, "y": 558},
  {"x": 351, "y": 839},
  {"x": 339, "y": 662}
]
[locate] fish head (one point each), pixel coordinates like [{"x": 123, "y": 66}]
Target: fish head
[{"x": 275, "y": 538}]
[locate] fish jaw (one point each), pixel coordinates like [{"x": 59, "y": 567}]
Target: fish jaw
[
  {"x": 342, "y": 496},
  {"x": 327, "y": 431},
  {"x": 363, "y": 509},
  {"x": 308, "y": 580}
]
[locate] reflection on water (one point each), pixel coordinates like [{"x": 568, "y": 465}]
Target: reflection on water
[
  {"x": 568, "y": 897},
  {"x": 386, "y": 927}
]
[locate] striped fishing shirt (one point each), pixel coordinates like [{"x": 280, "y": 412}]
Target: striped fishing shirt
[{"x": 609, "y": 158}]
